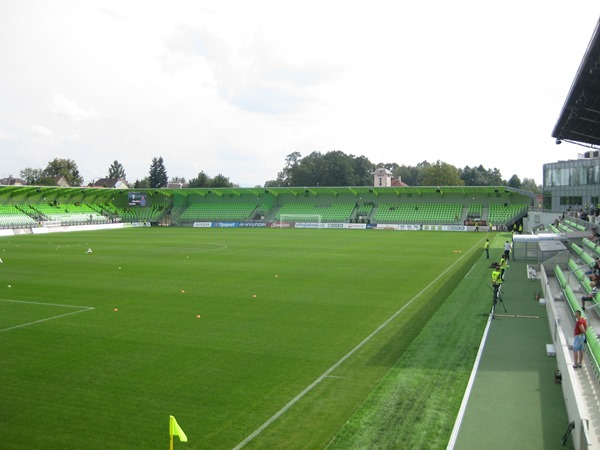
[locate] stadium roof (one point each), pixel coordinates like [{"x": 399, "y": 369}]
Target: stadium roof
[{"x": 579, "y": 120}]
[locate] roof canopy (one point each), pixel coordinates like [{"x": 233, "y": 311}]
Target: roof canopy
[{"x": 579, "y": 120}]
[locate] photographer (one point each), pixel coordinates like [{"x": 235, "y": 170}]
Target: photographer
[{"x": 496, "y": 282}]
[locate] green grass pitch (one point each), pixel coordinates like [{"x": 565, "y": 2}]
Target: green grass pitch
[{"x": 277, "y": 309}]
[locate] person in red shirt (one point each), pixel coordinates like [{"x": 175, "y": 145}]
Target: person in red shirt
[{"x": 579, "y": 339}]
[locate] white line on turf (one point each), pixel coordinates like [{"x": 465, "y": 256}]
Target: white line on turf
[
  {"x": 80, "y": 310},
  {"x": 465, "y": 400},
  {"x": 293, "y": 401},
  {"x": 44, "y": 304}
]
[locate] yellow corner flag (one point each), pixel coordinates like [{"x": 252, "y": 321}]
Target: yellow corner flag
[{"x": 175, "y": 430}]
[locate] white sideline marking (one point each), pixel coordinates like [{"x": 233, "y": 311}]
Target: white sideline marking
[
  {"x": 465, "y": 400},
  {"x": 81, "y": 309},
  {"x": 293, "y": 401}
]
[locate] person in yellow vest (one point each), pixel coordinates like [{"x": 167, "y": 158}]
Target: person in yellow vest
[
  {"x": 521, "y": 228},
  {"x": 490, "y": 225},
  {"x": 503, "y": 267},
  {"x": 496, "y": 282},
  {"x": 486, "y": 247}
]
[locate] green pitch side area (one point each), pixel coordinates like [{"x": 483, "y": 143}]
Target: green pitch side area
[{"x": 265, "y": 338}]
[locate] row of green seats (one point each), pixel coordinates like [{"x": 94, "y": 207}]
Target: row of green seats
[
  {"x": 592, "y": 246},
  {"x": 593, "y": 343},
  {"x": 585, "y": 256}
]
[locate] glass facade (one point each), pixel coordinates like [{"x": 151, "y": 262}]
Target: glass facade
[
  {"x": 571, "y": 173},
  {"x": 574, "y": 183}
]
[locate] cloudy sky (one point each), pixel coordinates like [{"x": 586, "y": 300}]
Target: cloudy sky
[{"x": 233, "y": 86}]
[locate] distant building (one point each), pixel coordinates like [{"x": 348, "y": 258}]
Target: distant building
[
  {"x": 573, "y": 183},
  {"x": 383, "y": 177},
  {"x": 112, "y": 183},
  {"x": 11, "y": 181},
  {"x": 176, "y": 185},
  {"x": 61, "y": 181}
]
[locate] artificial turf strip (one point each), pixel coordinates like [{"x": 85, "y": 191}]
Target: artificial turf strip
[
  {"x": 110, "y": 379},
  {"x": 415, "y": 405}
]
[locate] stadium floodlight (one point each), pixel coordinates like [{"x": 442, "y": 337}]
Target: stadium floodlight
[{"x": 306, "y": 220}]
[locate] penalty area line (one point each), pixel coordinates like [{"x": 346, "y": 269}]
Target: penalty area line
[
  {"x": 80, "y": 310},
  {"x": 325, "y": 374},
  {"x": 44, "y": 304}
]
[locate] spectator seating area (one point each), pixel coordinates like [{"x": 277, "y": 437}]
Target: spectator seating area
[
  {"x": 572, "y": 226},
  {"x": 506, "y": 213},
  {"x": 592, "y": 247},
  {"x": 66, "y": 214},
  {"x": 13, "y": 217},
  {"x": 337, "y": 212},
  {"x": 335, "y": 204},
  {"x": 574, "y": 284},
  {"x": 203, "y": 212},
  {"x": 475, "y": 210},
  {"x": 418, "y": 213}
]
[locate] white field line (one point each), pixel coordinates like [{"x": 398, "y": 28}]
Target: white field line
[
  {"x": 80, "y": 310},
  {"x": 45, "y": 304},
  {"x": 292, "y": 402},
  {"x": 465, "y": 400}
]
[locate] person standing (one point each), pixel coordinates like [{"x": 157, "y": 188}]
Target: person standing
[
  {"x": 486, "y": 247},
  {"x": 507, "y": 250},
  {"x": 578, "y": 340},
  {"x": 503, "y": 266},
  {"x": 496, "y": 282}
]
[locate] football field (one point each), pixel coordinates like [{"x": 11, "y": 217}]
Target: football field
[{"x": 250, "y": 337}]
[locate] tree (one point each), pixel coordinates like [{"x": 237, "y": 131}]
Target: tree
[
  {"x": 411, "y": 175},
  {"x": 177, "y": 180},
  {"x": 66, "y": 168},
  {"x": 480, "y": 176},
  {"x": 141, "y": 184},
  {"x": 158, "y": 174},
  {"x": 333, "y": 168},
  {"x": 202, "y": 180},
  {"x": 514, "y": 182},
  {"x": 528, "y": 184},
  {"x": 363, "y": 171},
  {"x": 32, "y": 176},
  {"x": 441, "y": 174},
  {"x": 475, "y": 176},
  {"x": 337, "y": 169},
  {"x": 116, "y": 170},
  {"x": 221, "y": 181}
]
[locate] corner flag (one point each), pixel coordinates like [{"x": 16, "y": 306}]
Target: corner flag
[{"x": 175, "y": 430}]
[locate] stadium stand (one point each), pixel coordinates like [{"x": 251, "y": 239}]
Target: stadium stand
[
  {"x": 198, "y": 212},
  {"x": 13, "y": 217},
  {"x": 418, "y": 213},
  {"x": 67, "y": 213},
  {"x": 426, "y": 205},
  {"x": 506, "y": 213}
]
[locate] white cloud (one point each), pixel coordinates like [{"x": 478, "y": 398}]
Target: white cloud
[
  {"x": 7, "y": 136},
  {"x": 42, "y": 132},
  {"x": 70, "y": 109}
]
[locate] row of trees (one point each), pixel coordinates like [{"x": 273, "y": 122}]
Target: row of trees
[
  {"x": 55, "y": 169},
  {"x": 333, "y": 168},
  {"x": 157, "y": 176}
]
